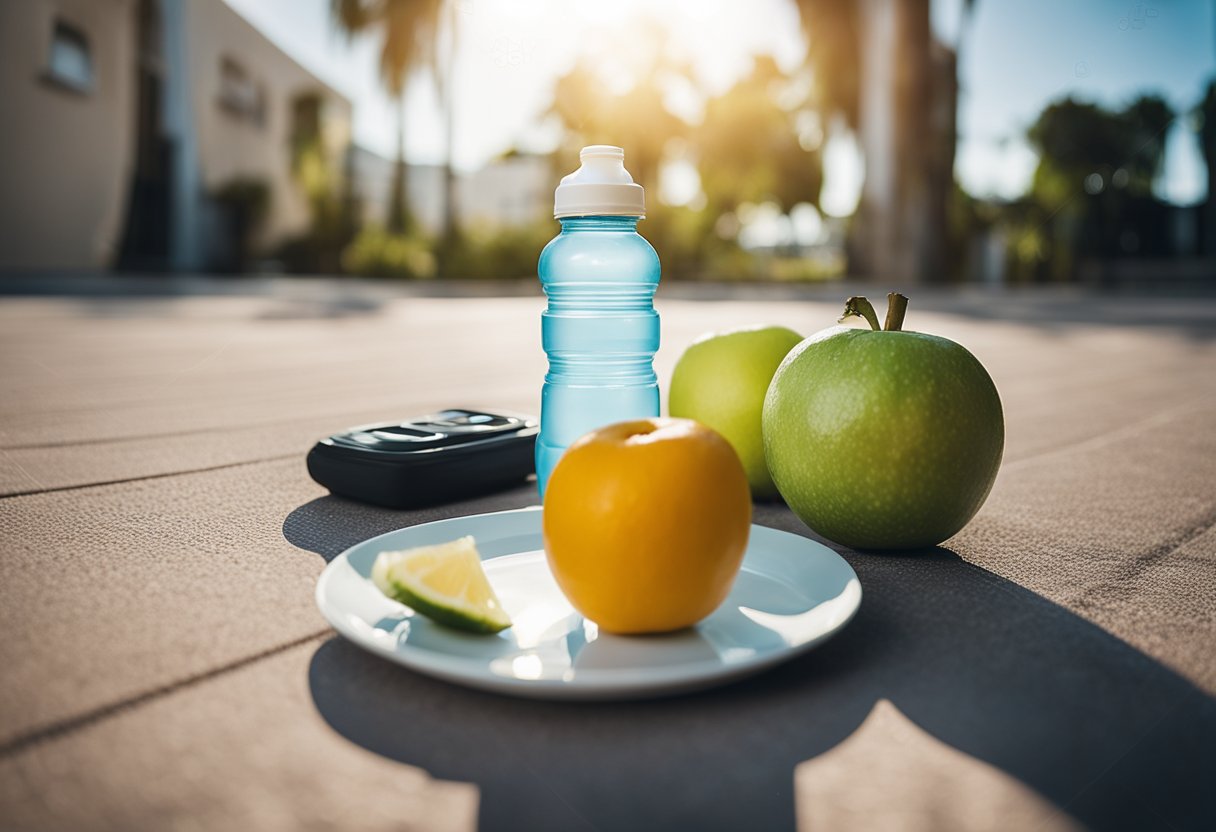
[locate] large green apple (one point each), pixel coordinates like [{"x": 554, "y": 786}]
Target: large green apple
[
  {"x": 721, "y": 380},
  {"x": 883, "y": 439}
]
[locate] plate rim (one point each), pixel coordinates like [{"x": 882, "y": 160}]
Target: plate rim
[{"x": 615, "y": 684}]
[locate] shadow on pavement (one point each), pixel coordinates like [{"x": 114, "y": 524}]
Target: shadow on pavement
[
  {"x": 1103, "y": 732},
  {"x": 331, "y": 525}
]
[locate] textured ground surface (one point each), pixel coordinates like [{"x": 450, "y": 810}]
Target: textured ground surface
[{"x": 164, "y": 666}]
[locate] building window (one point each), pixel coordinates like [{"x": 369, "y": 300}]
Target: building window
[
  {"x": 239, "y": 95},
  {"x": 71, "y": 63}
]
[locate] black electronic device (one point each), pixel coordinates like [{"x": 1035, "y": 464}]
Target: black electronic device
[{"x": 437, "y": 458}]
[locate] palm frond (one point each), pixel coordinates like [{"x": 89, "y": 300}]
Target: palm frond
[
  {"x": 410, "y": 30},
  {"x": 354, "y": 16}
]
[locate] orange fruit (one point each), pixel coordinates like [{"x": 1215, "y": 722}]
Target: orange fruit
[{"x": 646, "y": 522}]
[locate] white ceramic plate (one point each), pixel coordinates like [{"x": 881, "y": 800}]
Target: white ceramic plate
[{"x": 791, "y": 594}]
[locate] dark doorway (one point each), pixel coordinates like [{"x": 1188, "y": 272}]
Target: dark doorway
[{"x": 145, "y": 242}]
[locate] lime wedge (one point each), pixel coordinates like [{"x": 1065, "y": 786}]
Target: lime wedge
[{"x": 445, "y": 583}]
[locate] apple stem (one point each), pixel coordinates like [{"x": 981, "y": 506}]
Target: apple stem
[
  {"x": 859, "y": 307},
  {"x": 897, "y": 305}
]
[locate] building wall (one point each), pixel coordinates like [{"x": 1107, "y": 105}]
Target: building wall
[
  {"x": 233, "y": 145},
  {"x": 507, "y": 192},
  {"x": 373, "y": 186},
  {"x": 511, "y": 191},
  {"x": 66, "y": 156}
]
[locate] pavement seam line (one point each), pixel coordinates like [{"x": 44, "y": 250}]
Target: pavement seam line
[
  {"x": 1137, "y": 566},
  {"x": 80, "y": 486},
  {"x": 174, "y": 434},
  {"x": 54, "y": 730}
]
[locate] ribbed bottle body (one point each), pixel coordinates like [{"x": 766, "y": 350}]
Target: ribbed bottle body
[{"x": 600, "y": 332}]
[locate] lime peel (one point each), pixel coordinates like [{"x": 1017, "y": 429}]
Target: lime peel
[{"x": 444, "y": 582}]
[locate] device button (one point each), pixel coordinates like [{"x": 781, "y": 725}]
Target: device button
[
  {"x": 360, "y": 439},
  {"x": 384, "y": 436},
  {"x": 401, "y": 433}
]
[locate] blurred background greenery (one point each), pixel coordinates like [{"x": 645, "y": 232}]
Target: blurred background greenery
[{"x": 814, "y": 140}]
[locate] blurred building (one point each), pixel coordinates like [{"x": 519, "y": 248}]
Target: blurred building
[
  {"x": 153, "y": 134},
  {"x": 512, "y": 190},
  {"x": 515, "y": 189},
  {"x": 372, "y": 184}
]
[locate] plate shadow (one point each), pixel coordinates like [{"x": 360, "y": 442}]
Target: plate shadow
[{"x": 1105, "y": 733}]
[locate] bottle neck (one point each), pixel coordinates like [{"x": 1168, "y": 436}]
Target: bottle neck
[{"x": 599, "y": 223}]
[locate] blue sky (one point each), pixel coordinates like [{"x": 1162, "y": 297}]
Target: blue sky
[
  {"x": 1018, "y": 56},
  {"x": 1015, "y": 57}
]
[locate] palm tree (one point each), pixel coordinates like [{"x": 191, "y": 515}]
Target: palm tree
[
  {"x": 410, "y": 31},
  {"x": 445, "y": 80},
  {"x": 877, "y": 66}
]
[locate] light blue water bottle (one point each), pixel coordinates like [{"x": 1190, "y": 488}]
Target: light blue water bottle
[{"x": 600, "y": 330}]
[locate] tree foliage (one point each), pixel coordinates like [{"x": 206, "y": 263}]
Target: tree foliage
[
  {"x": 1091, "y": 197},
  {"x": 749, "y": 146},
  {"x": 1075, "y": 139},
  {"x": 745, "y": 147}
]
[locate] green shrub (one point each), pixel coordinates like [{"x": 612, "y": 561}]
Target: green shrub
[
  {"x": 376, "y": 253},
  {"x": 508, "y": 252}
]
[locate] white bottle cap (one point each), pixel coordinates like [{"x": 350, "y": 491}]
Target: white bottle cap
[{"x": 600, "y": 187}]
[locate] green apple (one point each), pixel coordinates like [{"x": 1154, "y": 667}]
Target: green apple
[
  {"x": 883, "y": 439},
  {"x": 720, "y": 381}
]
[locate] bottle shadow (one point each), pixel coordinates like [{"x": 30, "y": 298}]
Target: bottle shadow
[{"x": 1103, "y": 732}]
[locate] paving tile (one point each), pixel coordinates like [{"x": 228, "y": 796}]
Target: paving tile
[
  {"x": 167, "y": 622},
  {"x": 243, "y": 750}
]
